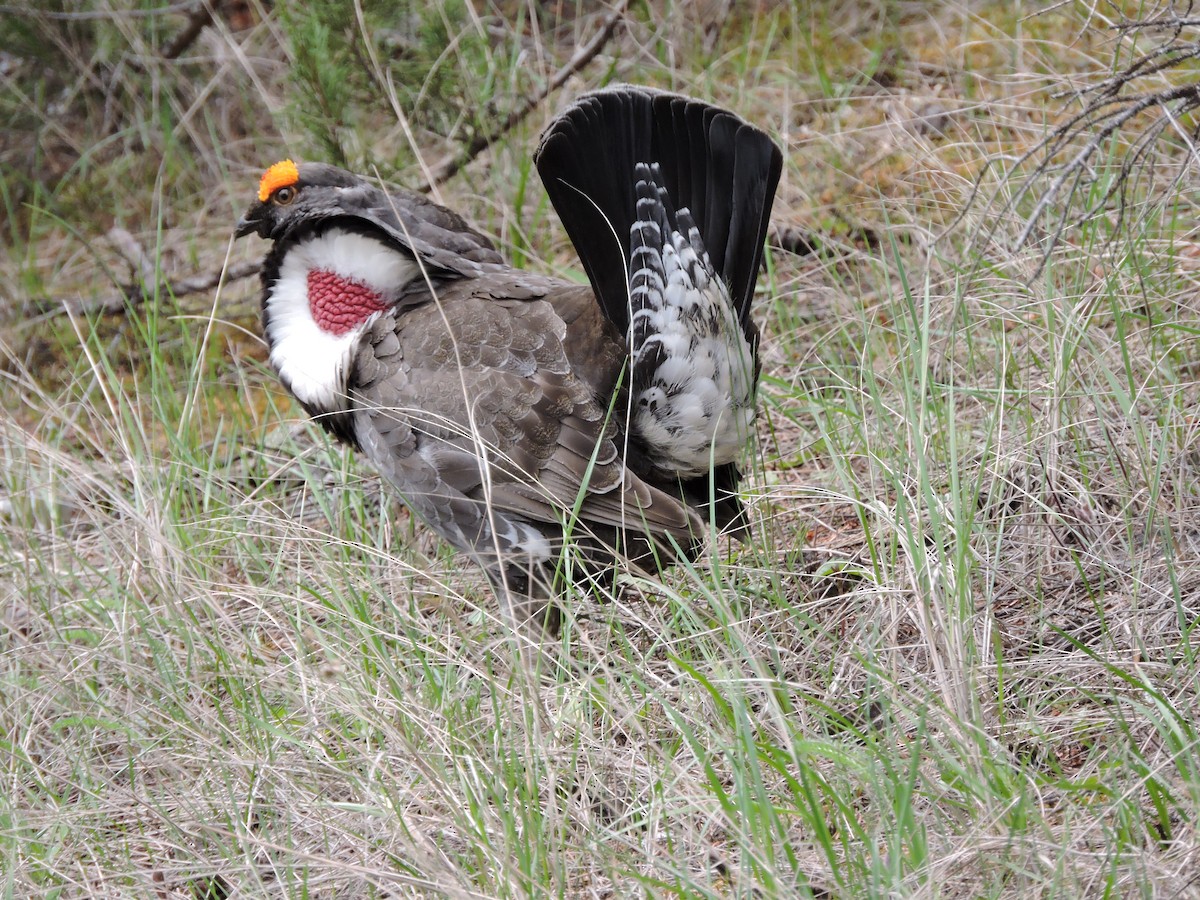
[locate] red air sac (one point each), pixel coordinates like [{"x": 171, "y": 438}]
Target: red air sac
[{"x": 339, "y": 304}]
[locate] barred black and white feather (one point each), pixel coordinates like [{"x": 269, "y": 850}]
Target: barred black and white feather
[{"x": 667, "y": 201}]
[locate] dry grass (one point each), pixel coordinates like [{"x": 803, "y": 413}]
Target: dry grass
[{"x": 957, "y": 660}]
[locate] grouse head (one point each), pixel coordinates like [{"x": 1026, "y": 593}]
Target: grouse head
[{"x": 345, "y": 252}]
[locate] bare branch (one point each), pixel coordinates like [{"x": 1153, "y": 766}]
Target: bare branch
[
  {"x": 1108, "y": 115},
  {"x": 584, "y": 55},
  {"x": 198, "y": 19},
  {"x": 133, "y": 294}
]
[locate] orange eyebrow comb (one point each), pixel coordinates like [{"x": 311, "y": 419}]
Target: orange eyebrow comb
[{"x": 282, "y": 174}]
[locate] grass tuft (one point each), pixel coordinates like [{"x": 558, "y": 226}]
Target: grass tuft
[{"x": 957, "y": 658}]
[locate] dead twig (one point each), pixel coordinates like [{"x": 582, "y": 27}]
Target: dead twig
[
  {"x": 198, "y": 20},
  {"x": 1110, "y": 113},
  {"x": 133, "y": 294},
  {"x": 584, "y": 55}
]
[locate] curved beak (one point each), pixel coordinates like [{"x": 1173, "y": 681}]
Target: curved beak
[{"x": 253, "y": 222}]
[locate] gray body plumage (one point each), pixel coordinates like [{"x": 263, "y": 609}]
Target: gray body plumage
[
  {"x": 515, "y": 413},
  {"x": 473, "y": 410}
]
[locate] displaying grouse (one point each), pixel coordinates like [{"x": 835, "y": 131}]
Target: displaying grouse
[{"x": 516, "y": 414}]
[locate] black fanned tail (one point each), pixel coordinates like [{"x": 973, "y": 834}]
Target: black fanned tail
[{"x": 720, "y": 168}]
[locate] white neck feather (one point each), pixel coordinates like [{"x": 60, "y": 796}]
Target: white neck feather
[{"x": 312, "y": 362}]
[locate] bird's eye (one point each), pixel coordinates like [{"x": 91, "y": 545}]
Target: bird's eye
[{"x": 284, "y": 195}]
